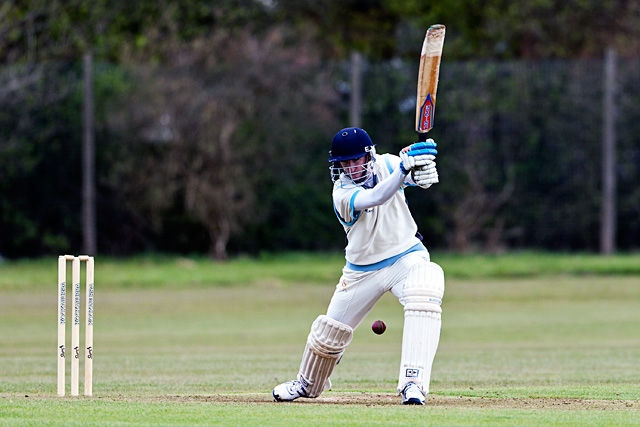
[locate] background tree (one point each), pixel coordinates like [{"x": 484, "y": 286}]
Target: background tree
[
  {"x": 200, "y": 102},
  {"x": 225, "y": 117}
]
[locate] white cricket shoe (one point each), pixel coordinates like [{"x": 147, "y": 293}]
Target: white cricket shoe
[
  {"x": 289, "y": 391},
  {"x": 412, "y": 395},
  {"x": 327, "y": 384}
]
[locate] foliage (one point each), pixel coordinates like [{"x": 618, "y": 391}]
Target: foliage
[
  {"x": 34, "y": 30},
  {"x": 487, "y": 29},
  {"x": 219, "y": 122},
  {"x": 37, "y": 30},
  {"x": 519, "y": 145},
  {"x": 519, "y": 152},
  {"x": 40, "y": 156},
  {"x": 529, "y": 29},
  {"x": 214, "y": 120},
  {"x": 37, "y": 142},
  {"x": 521, "y": 161}
]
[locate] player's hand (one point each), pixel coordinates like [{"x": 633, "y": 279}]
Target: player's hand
[
  {"x": 418, "y": 154},
  {"x": 426, "y": 175}
]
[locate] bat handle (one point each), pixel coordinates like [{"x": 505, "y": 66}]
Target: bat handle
[{"x": 422, "y": 136}]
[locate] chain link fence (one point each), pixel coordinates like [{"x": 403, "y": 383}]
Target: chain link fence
[
  {"x": 520, "y": 163},
  {"x": 521, "y": 150}
]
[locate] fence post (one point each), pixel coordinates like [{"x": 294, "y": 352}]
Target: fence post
[
  {"x": 88, "y": 161},
  {"x": 355, "y": 104},
  {"x": 608, "y": 204}
]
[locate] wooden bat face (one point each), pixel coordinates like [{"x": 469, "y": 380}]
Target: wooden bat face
[{"x": 428, "y": 79}]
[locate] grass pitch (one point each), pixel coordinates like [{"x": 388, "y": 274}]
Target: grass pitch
[{"x": 527, "y": 339}]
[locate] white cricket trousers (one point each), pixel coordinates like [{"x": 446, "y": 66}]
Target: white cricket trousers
[{"x": 358, "y": 291}]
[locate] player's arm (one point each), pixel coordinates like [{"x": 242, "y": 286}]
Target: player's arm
[
  {"x": 378, "y": 195},
  {"x": 417, "y": 159}
]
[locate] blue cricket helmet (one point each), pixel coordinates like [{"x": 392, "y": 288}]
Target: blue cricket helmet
[{"x": 350, "y": 143}]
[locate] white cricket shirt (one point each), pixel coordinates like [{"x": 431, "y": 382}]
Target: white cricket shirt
[{"x": 378, "y": 235}]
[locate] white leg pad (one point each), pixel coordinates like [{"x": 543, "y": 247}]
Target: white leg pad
[
  {"x": 422, "y": 297},
  {"x": 325, "y": 344}
]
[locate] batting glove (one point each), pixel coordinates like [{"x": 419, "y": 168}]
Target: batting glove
[
  {"x": 417, "y": 155},
  {"x": 426, "y": 175}
]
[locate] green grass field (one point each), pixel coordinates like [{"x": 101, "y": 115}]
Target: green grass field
[{"x": 527, "y": 340}]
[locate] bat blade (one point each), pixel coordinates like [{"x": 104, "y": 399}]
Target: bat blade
[{"x": 428, "y": 74}]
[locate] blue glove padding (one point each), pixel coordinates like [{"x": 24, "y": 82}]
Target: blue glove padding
[
  {"x": 426, "y": 147},
  {"x": 417, "y": 155}
]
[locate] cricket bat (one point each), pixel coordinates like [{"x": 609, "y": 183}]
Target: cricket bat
[{"x": 428, "y": 79}]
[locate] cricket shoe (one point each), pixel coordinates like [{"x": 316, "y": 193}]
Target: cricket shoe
[
  {"x": 289, "y": 391},
  {"x": 412, "y": 395}
]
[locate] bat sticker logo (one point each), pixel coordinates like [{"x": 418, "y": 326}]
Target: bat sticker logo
[{"x": 426, "y": 114}]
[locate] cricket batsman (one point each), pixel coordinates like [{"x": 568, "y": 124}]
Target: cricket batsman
[{"x": 384, "y": 253}]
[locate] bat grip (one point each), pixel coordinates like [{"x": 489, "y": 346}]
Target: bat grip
[{"x": 422, "y": 136}]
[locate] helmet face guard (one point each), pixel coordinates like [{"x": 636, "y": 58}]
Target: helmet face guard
[
  {"x": 359, "y": 174},
  {"x": 350, "y": 144}
]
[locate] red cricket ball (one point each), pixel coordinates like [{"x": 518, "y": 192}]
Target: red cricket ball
[{"x": 378, "y": 327}]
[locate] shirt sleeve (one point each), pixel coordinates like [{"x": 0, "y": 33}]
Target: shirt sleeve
[{"x": 378, "y": 195}]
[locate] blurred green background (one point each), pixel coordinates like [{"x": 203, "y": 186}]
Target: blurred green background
[{"x": 203, "y": 127}]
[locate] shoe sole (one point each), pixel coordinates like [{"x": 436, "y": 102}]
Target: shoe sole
[{"x": 277, "y": 398}]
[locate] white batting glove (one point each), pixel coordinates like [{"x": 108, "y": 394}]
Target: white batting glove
[
  {"x": 418, "y": 154},
  {"x": 426, "y": 175}
]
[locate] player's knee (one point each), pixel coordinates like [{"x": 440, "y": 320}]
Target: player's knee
[
  {"x": 329, "y": 337},
  {"x": 424, "y": 288}
]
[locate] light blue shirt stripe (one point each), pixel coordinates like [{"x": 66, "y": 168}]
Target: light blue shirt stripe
[{"x": 385, "y": 262}]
